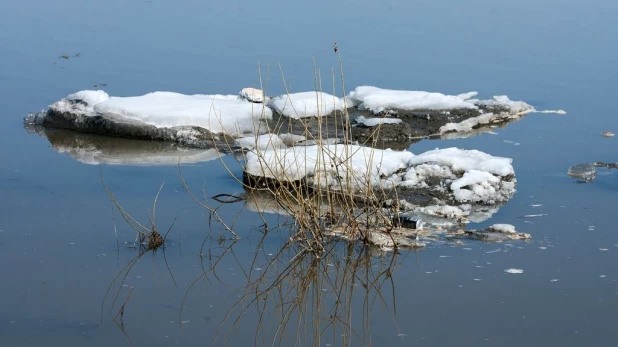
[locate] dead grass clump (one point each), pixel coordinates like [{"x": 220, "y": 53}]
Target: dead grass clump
[{"x": 334, "y": 196}]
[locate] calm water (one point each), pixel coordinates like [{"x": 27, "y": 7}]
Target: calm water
[{"x": 62, "y": 244}]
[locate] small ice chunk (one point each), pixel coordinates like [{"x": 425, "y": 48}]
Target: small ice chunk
[
  {"x": 535, "y": 215},
  {"x": 252, "y": 94},
  {"x": 551, "y": 111},
  {"x": 503, "y": 228},
  {"x": 514, "y": 106},
  {"x": 608, "y": 134},
  {"x": 585, "y": 171},
  {"x": 514, "y": 271},
  {"x": 291, "y": 139}
]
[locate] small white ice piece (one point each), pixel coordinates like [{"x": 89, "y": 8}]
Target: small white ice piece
[{"x": 514, "y": 271}]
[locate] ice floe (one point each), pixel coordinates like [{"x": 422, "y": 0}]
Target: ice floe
[
  {"x": 406, "y": 115},
  {"x": 588, "y": 171}
]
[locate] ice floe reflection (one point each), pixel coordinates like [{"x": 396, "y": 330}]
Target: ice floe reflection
[{"x": 97, "y": 149}]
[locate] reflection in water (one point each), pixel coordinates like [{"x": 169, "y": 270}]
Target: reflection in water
[
  {"x": 437, "y": 224},
  {"x": 288, "y": 295},
  {"x": 304, "y": 299},
  {"x": 97, "y": 149}
]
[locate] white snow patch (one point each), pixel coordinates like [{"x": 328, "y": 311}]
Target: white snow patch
[
  {"x": 475, "y": 186},
  {"x": 252, "y": 94},
  {"x": 291, "y": 139},
  {"x": 378, "y": 99},
  {"x": 262, "y": 142},
  {"x": 217, "y": 113},
  {"x": 468, "y": 124},
  {"x": 471, "y": 176},
  {"x": 503, "y": 100},
  {"x": 503, "y": 228},
  {"x": 306, "y": 104},
  {"x": 81, "y": 103},
  {"x": 465, "y": 160},
  {"x": 371, "y": 122},
  {"x": 330, "y": 165}
]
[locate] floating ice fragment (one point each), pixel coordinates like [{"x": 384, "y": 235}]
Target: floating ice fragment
[
  {"x": 185, "y": 321},
  {"x": 603, "y": 249},
  {"x": 536, "y": 205},
  {"x": 551, "y": 111},
  {"x": 608, "y": 134},
  {"x": 535, "y": 215},
  {"x": 554, "y": 280},
  {"x": 603, "y": 276},
  {"x": 586, "y": 171},
  {"x": 503, "y": 228},
  {"x": 514, "y": 271}
]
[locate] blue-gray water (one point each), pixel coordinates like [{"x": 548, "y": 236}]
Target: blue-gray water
[{"x": 58, "y": 250}]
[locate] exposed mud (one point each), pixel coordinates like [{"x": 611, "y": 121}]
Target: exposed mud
[{"x": 195, "y": 137}]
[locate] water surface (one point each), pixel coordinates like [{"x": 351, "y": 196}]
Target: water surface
[{"x": 62, "y": 243}]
